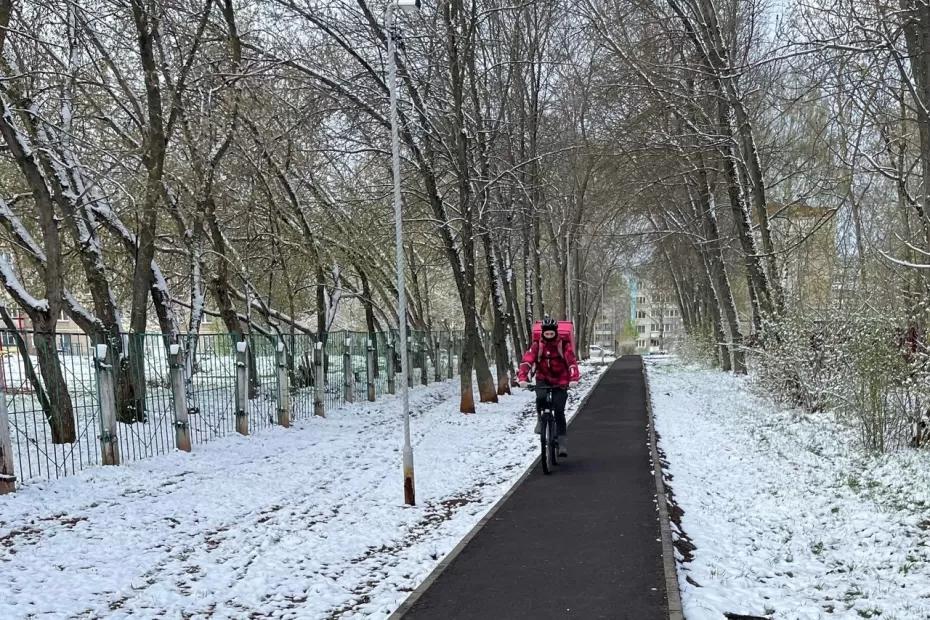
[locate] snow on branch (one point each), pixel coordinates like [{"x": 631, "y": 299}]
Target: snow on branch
[
  {"x": 16, "y": 290},
  {"x": 903, "y": 263},
  {"x": 77, "y": 310},
  {"x": 23, "y": 236}
]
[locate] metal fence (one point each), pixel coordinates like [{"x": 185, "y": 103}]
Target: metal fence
[{"x": 57, "y": 418}]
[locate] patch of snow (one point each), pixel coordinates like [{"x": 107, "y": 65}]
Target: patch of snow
[
  {"x": 789, "y": 518},
  {"x": 307, "y": 522}
]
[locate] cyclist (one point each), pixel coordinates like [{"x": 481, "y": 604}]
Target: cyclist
[{"x": 554, "y": 364}]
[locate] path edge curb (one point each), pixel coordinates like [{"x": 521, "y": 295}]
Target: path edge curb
[
  {"x": 440, "y": 568},
  {"x": 669, "y": 564}
]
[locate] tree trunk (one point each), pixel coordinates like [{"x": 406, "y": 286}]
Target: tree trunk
[
  {"x": 539, "y": 306},
  {"x": 154, "y": 146},
  {"x": 499, "y": 329},
  {"x": 716, "y": 268},
  {"x": 60, "y": 414},
  {"x": 31, "y": 376},
  {"x": 518, "y": 335},
  {"x": 917, "y": 36},
  {"x": 756, "y": 279},
  {"x": 368, "y": 305},
  {"x": 466, "y": 364},
  {"x": 454, "y": 15},
  {"x": 529, "y": 301}
]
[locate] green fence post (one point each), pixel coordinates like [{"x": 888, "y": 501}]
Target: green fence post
[
  {"x": 242, "y": 387},
  {"x": 319, "y": 382},
  {"x": 450, "y": 352},
  {"x": 370, "y": 369},
  {"x": 391, "y": 368},
  {"x": 284, "y": 389},
  {"x": 424, "y": 360},
  {"x": 109, "y": 446},
  {"x": 348, "y": 372},
  {"x": 182, "y": 436},
  {"x": 7, "y": 474},
  {"x": 410, "y": 359}
]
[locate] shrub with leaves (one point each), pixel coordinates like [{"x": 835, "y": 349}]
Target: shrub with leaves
[
  {"x": 796, "y": 363},
  {"x": 871, "y": 370}
]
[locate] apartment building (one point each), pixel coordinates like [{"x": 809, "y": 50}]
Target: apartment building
[
  {"x": 69, "y": 337},
  {"x": 613, "y": 316},
  {"x": 810, "y": 268},
  {"x": 605, "y": 333},
  {"x": 656, "y": 318}
]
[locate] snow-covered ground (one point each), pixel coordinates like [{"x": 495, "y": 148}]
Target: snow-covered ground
[
  {"x": 790, "y": 520},
  {"x": 301, "y": 523}
]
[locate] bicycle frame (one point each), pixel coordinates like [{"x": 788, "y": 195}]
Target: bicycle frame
[{"x": 548, "y": 436}]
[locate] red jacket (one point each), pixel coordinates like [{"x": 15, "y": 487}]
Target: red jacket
[{"x": 551, "y": 366}]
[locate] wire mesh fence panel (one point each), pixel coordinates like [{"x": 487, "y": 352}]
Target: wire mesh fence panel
[
  {"x": 440, "y": 355},
  {"x": 429, "y": 356},
  {"x": 418, "y": 358},
  {"x": 447, "y": 354},
  {"x": 51, "y": 399},
  {"x": 382, "y": 364},
  {"x": 149, "y": 430},
  {"x": 212, "y": 392},
  {"x": 436, "y": 358},
  {"x": 54, "y": 407},
  {"x": 332, "y": 371},
  {"x": 413, "y": 357},
  {"x": 394, "y": 368},
  {"x": 263, "y": 392},
  {"x": 300, "y": 368},
  {"x": 458, "y": 338},
  {"x": 358, "y": 353}
]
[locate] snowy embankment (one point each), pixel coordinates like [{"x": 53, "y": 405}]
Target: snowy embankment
[
  {"x": 789, "y": 519},
  {"x": 301, "y": 523}
]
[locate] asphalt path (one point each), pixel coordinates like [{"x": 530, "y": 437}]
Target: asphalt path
[{"x": 580, "y": 543}]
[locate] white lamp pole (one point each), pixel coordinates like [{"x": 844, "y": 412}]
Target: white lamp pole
[{"x": 389, "y": 25}]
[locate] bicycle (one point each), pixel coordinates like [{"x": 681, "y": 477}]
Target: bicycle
[{"x": 548, "y": 433}]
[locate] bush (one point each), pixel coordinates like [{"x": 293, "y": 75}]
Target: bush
[
  {"x": 797, "y": 362},
  {"x": 698, "y": 347},
  {"x": 856, "y": 368},
  {"x": 886, "y": 388}
]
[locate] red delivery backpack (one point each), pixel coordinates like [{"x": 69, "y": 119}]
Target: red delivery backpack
[{"x": 566, "y": 334}]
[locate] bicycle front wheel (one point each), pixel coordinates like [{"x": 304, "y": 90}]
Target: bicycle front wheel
[
  {"x": 553, "y": 442},
  {"x": 545, "y": 441}
]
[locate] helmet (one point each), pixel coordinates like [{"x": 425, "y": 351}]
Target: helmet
[{"x": 549, "y": 324}]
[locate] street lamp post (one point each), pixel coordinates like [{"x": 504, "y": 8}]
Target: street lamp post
[{"x": 389, "y": 26}]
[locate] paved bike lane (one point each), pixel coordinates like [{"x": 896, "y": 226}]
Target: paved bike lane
[{"x": 581, "y": 543}]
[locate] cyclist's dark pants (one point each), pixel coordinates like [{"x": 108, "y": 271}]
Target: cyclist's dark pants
[{"x": 559, "y": 398}]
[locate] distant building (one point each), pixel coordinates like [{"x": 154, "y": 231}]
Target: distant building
[
  {"x": 656, "y": 318},
  {"x": 605, "y": 332},
  {"x": 612, "y": 317},
  {"x": 69, "y": 338},
  {"x": 807, "y": 236}
]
